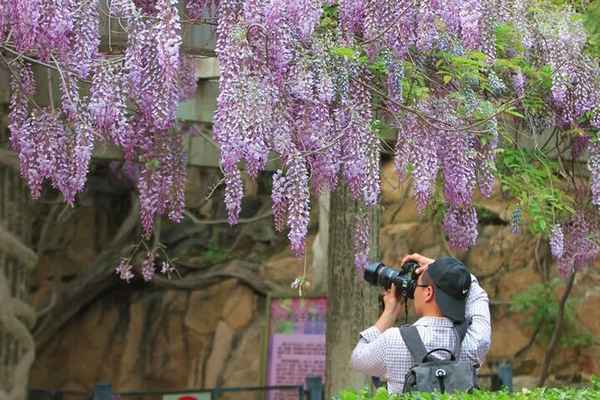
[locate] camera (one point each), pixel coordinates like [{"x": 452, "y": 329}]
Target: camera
[{"x": 405, "y": 279}]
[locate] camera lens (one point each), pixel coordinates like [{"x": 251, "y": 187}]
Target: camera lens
[
  {"x": 371, "y": 273},
  {"x": 378, "y": 274}
]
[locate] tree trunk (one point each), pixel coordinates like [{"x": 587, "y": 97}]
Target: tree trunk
[
  {"x": 320, "y": 247},
  {"x": 352, "y": 304},
  {"x": 557, "y": 331},
  {"x": 16, "y": 342}
]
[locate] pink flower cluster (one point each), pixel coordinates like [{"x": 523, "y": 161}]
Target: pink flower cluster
[{"x": 149, "y": 268}]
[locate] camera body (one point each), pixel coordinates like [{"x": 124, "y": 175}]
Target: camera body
[{"x": 405, "y": 279}]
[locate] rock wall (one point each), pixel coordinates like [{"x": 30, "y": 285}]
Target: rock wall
[
  {"x": 506, "y": 264},
  {"x": 142, "y": 336},
  {"x": 154, "y": 339}
]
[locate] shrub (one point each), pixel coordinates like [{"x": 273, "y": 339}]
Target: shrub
[{"x": 588, "y": 393}]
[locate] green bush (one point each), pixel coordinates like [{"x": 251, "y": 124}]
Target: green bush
[{"x": 590, "y": 393}]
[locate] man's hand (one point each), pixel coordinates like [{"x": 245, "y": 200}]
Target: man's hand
[
  {"x": 391, "y": 310},
  {"x": 420, "y": 259},
  {"x": 390, "y": 301}
]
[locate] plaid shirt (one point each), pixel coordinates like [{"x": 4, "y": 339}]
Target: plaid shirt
[{"x": 385, "y": 354}]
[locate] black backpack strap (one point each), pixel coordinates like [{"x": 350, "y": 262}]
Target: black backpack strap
[
  {"x": 413, "y": 342},
  {"x": 460, "y": 330}
]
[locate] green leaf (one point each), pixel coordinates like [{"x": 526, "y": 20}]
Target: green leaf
[
  {"x": 153, "y": 164},
  {"x": 347, "y": 52},
  {"x": 446, "y": 79},
  {"x": 512, "y": 111}
]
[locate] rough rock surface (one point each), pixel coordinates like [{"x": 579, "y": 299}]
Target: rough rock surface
[{"x": 146, "y": 337}]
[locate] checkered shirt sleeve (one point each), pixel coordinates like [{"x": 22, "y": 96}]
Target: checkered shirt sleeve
[{"x": 384, "y": 354}]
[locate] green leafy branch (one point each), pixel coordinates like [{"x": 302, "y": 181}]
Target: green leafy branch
[
  {"x": 530, "y": 177},
  {"x": 542, "y": 312}
]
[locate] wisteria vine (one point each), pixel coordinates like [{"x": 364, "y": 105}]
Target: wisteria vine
[{"x": 309, "y": 82}]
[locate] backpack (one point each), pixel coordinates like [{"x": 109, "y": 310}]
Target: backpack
[{"x": 429, "y": 374}]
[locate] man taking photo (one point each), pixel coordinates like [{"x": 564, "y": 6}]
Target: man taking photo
[{"x": 445, "y": 294}]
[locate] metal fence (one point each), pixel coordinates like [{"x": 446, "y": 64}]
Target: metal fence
[
  {"x": 282, "y": 392},
  {"x": 501, "y": 378},
  {"x": 314, "y": 391}
]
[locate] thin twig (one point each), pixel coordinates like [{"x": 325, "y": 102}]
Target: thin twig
[
  {"x": 64, "y": 81},
  {"x": 554, "y": 132},
  {"x": 109, "y": 4},
  {"x": 386, "y": 30},
  {"x": 50, "y": 90},
  {"x": 427, "y": 119},
  {"x": 560, "y": 162},
  {"x": 36, "y": 61},
  {"x": 531, "y": 341},
  {"x": 224, "y": 221},
  {"x": 214, "y": 188},
  {"x": 17, "y": 79}
]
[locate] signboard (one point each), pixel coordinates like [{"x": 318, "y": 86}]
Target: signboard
[
  {"x": 187, "y": 396},
  {"x": 296, "y": 343}
]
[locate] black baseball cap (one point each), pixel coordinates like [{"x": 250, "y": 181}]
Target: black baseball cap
[{"x": 452, "y": 282}]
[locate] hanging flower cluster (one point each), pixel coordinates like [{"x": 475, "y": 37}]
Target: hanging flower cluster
[
  {"x": 575, "y": 244},
  {"x": 300, "y": 88},
  {"x": 277, "y": 94},
  {"x": 57, "y": 144}
]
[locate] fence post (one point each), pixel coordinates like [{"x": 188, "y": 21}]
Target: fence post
[
  {"x": 505, "y": 374},
  {"x": 103, "y": 391},
  {"x": 315, "y": 387}
]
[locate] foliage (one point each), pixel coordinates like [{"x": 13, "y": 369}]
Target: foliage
[
  {"x": 590, "y": 393},
  {"x": 541, "y": 312},
  {"x": 530, "y": 177},
  {"x": 592, "y": 24},
  {"x": 214, "y": 254}
]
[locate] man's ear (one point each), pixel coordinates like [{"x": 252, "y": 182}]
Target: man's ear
[{"x": 430, "y": 296}]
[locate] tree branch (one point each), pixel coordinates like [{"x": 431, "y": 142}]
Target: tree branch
[
  {"x": 527, "y": 346},
  {"x": 237, "y": 269},
  {"x": 224, "y": 221},
  {"x": 9, "y": 159},
  {"x": 428, "y": 118},
  {"x": 129, "y": 223},
  {"x": 86, "y": 288},
  {"x": 82, "y": 291},
  {"x": 11, "y": 314},
  {"x": 12, "y": 246},
  {"x": 557, "y": 330},
  {"x": 393, "y": 24},
  {"x": 49, "y": 221}
]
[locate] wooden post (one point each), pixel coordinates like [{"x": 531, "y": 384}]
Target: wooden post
[
  {"x": 315, "y": 388},
  {"x": 103, "y": 391}
]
